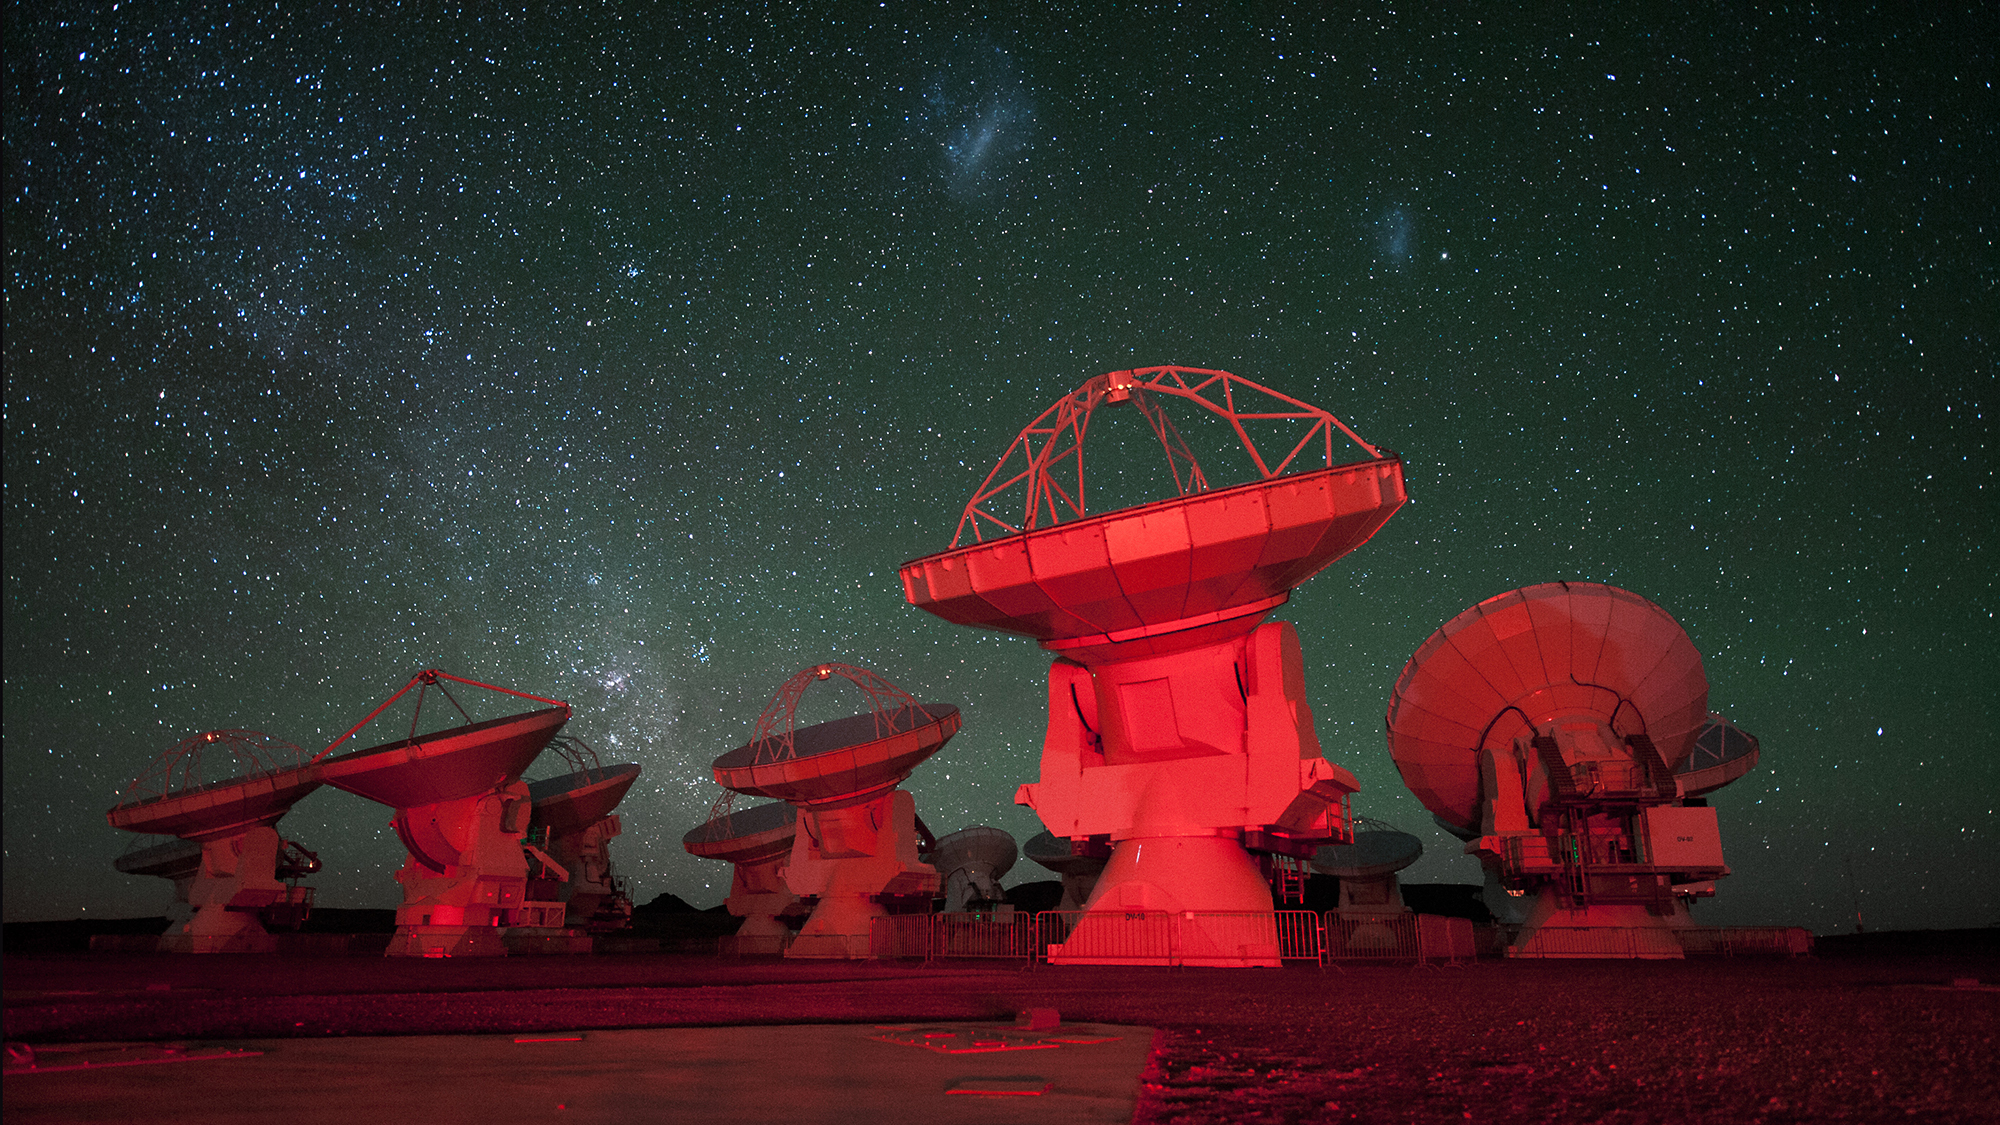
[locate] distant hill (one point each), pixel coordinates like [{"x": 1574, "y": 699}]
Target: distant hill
[
  {"x": 1908, "y": 943},
  {"x": 71, "y": 935},
  {"x": 674, "y": 904}
]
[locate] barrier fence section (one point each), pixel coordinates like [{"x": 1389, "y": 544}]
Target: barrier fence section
[
  {"x": 1301, "y": 936},
  {"x": 1390, "y": 937},
  {"x": 1596, "y": 941},
  {"x": 1155, "y": 937},
  {"x": 900, "y": 936},
  {"x": 1739, "y": 941},
  {"x": 983, "y": 935},
  {"x": 1446, "y": 939},
  {"x": 1132, "y": 937}
]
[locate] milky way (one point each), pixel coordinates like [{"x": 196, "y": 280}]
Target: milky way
[{"x": 621, "y": 354}]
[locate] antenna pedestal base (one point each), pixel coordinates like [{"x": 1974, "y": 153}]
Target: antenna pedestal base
[
  {"x": 1174, "y": 758},
  {"x": 1177, "y": 901},
  {"x": 1204, "y": 886},
  {"x": 238, "y": 877},
  {"x": 1616, "y": 930},
  {"x": 847, "y": 857},
  {"x": 758, "y": 896},
  {"x": 446, "y": 941},
  {"x": 466, "y": 876},
  {"x": 1375, "y": 894},
  {"x": 586, "y": 855},
  {"x": 218, "y": 929}
]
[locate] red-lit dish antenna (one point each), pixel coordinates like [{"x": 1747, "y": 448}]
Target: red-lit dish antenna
[
  {"x": 577, "y": 800},
  {"x": 1525, "y": 659},
  {"x": 838, "y": 760},
  {"x": 573, "y": 820},
  {"x": 1179, "y": 735},
  {"x": 1029, "y": 557},
  {"x": 749, "y": 835},
  {"x": 583, "y": 796},
  {"x": 856, "y": 843},
  {"x": 1722, "y": 753},
  {"x": 1545, "y": 725},
  {"x": 462, "y": 812},
  {"x": 216, "y": 783},
  {"x": 445, "y": 765},
  {"x": 1042, "y": 472},
  {"x": 222, "y": 791},
  {"x": 758, "y": 841}
]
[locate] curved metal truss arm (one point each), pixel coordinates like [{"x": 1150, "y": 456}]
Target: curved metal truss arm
[
  {"x": 1045, "y": 460},
  {"x": 579, "y": 755},
  {"x": 244, "y": 753},
  {"x": 424, "y": 681},
  {"x": 888, "y": 703}
]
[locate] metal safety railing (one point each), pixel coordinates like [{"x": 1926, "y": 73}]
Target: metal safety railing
[
  {"x": 1386, "y": 937},
  {"x": 900, "y": 937},
  {"x": 1155, "y": 937},
  {"x": 982, "y": 935},
  {"x": 1451, "y": 940},
  {"x": 1103, "y": 937},
  {"x": 1596, "y": 941},
  {"x": 1746, "y": 941}
]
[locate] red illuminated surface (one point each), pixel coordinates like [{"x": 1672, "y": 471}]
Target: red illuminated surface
[
  {"x": 856, "y": 838},
  {"x": 1522, "y": 1043},
  {"x": 757, "y": 841},
  {"x": 746, "y": 835},
  {"x": 1076, "y": 581},
  {"x": 174, "y": 798},
  {"x": 1523, "y": 660},
  {"x": 461, "y": 812},
  {"x": 575, "y": 801},
  {"x": 227, "y": 868},
  {"x": 1546, "y": 725},
  {"x": 1178, "y": 725}
]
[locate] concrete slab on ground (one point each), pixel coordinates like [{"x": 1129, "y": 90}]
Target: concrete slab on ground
[{"x": 880, "y": 1075}]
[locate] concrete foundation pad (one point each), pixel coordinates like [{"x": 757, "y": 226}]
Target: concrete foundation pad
[{"x": 816, "y": 1073}]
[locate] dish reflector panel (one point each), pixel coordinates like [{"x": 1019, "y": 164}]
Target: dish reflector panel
[
  {"x": 1378, "y": 849},
  {"x": 173, "y": 797},
  {"x": 448, "y": 765},
  {"x": 578, "y": 800},
  {"x": 1722, "y": 753},
  {"x": 1526, "y": 658},
  {"x": 746, "y": 835}
]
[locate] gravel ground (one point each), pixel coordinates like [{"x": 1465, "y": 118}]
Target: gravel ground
[{"x": 1857, "y": 1038}]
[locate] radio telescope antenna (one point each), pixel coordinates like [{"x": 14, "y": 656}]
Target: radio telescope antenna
[
  {"x": 1178, "y": 725},
  {"x": 223, "y": 791},
  {"x": 857, "y": 843},
  {"x": 1545, "y": 725},
  {"x": 758, "y": 841},
  {"x": 573, "y": 820},
  {"x": 1367, "y": 867},
  {"x": 971, "y": 862},
  {"x": 461, "y": 812},
  {"x": 1078, "y": 870},
  {"x": 1722, "y": 753}
]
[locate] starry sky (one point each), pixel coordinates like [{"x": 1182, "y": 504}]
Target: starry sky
[{"x": 621, "y": 353}]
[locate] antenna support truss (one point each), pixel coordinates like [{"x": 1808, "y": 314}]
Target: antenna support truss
[
  {"x": 423, "y": 681},
  {"x": 1041, "y": 473},
  {"x": 889, "y": 704},
  {"x": 249, "y": 753}
]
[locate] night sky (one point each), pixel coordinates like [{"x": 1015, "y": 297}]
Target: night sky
[{"x": 621, "y": 355}]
